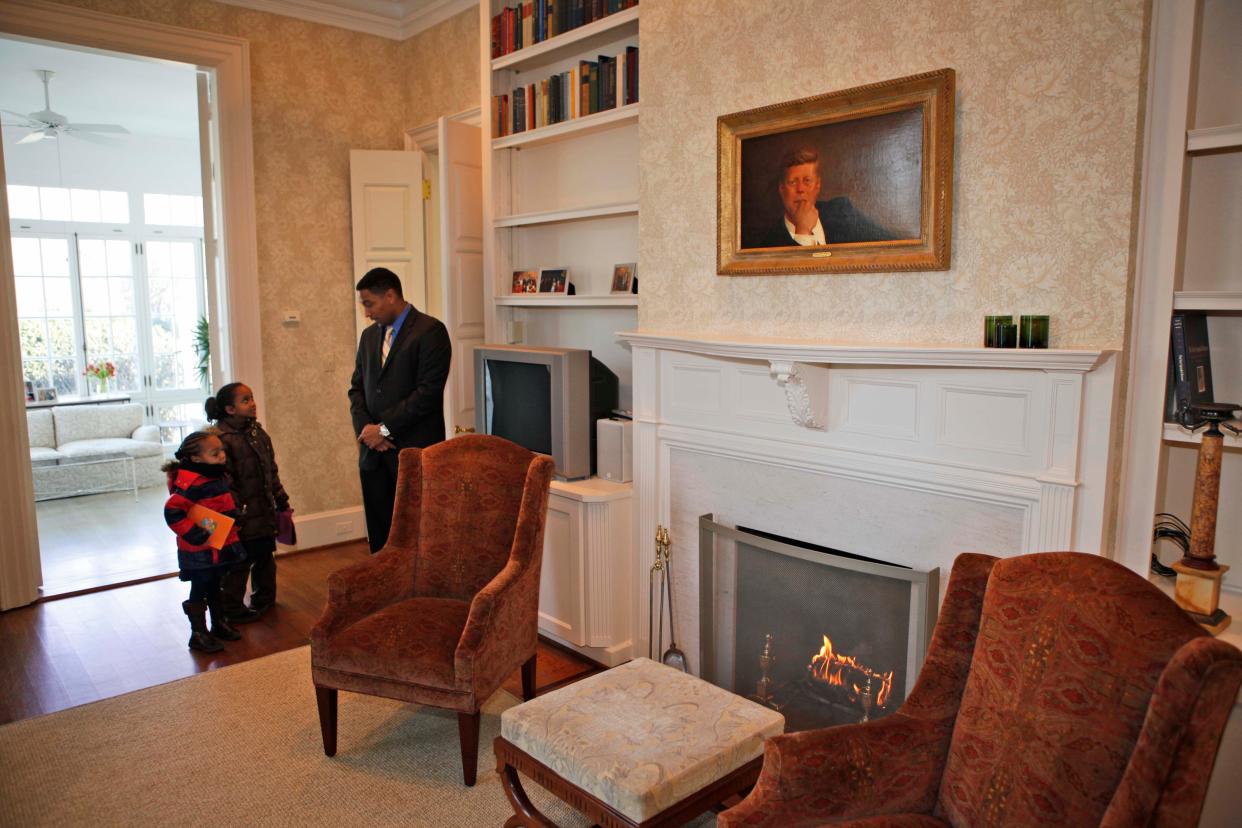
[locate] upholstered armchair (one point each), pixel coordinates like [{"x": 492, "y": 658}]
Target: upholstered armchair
[
  {"x": 1059, "y": 689},
  {"x": 448, "y": 608}
]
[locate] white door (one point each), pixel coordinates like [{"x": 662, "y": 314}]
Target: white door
[
  {"x": 461, "y": 262},
  {"x": 386, "y": 204}
]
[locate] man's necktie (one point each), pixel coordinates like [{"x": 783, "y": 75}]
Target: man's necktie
[{"x": 387, "y": 346}]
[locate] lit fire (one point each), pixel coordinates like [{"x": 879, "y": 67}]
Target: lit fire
[{"x": 846, "y": 672}]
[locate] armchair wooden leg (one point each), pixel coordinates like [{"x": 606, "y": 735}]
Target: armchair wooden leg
[
  {"x": 468, "y": 732},
  {"x": 528, "y": 679},
  {"x": 326, "y": 699}
]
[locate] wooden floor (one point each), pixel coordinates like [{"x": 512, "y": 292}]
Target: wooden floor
[
  {"x": 104, "y": 539},
  {"x": 61, "y": 653}
]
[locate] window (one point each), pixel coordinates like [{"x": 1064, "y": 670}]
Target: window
[
  {"x": 108, "y": 307},
  {"x": 45, "y": 313},
  {"x": 93, "y": 287},
  {"x": 172, "y": 210},
  {"x": 61, "y": 204},
  {"x": 172, "y": 279}
]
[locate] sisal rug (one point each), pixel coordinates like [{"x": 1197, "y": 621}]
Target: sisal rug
[{"x": 241, "y": 746}]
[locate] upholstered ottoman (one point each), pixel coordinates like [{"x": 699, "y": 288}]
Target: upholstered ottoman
[{"x": 638, "y": 745}]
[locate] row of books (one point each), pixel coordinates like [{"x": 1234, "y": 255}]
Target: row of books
[
  {"x": 1190, "y": 367},
  {"x": 592, "y": 86},
  {"x": 537, "y": 20}
]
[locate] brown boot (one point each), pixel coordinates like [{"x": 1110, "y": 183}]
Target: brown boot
[
  {"x": 232, "y": 593},
  {"x": 200, "y": 639},
  {"x": 220, "y": 626}
]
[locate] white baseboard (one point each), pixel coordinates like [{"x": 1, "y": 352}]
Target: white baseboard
[
  {"x": 608, "y": 656},
  {"x": 324, "y": 528}
]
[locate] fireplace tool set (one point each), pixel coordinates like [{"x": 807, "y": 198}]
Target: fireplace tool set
[{"x": 663, "y": 570}]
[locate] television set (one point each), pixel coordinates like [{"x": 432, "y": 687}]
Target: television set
[{"x": 544, "y": 399}]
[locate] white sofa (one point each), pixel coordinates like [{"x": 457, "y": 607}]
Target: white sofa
[{"x": 63, "y": 436}]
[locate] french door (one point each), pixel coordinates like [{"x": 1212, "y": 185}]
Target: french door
[{"x": 88, "y": 299}]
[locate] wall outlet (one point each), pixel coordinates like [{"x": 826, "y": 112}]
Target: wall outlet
[{"x": 343, "y": 527}]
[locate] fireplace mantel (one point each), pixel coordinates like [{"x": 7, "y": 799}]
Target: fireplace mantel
[
  {"x": 819, "y": 352},
  {"x": 907, "y": 453}
]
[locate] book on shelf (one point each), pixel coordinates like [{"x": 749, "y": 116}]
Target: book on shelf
[
  {"x": 1190, "y": 367},
  {"x": 523, "y": 24},
  {"x": 590, "y": 87}
]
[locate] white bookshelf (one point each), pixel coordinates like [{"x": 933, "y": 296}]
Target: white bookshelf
[
  {"x": 1214, "y": 138},
  {"x": 1190, "y": 260},
  {"x": 566, "y": 195},
  {"x": 520, "y": 300},
  {"x": 562, "y": 195},
  {"x": 582, "y": 40},
  {"x": 1174, "y": 433},
  {"x": 574, "y": 128},
  {"x": 629, "y": 208},
  {"x": 1208, "y": 301}
]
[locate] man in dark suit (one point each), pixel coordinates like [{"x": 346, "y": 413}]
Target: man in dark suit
[
  {"x": 396, "y": 397},
  {"x": 808, "y": 221}
]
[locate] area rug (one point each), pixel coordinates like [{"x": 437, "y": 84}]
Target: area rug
[{"x": 241, "y": 746}]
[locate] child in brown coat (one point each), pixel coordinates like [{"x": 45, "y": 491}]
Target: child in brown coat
[{"x": 260, "y": 499}]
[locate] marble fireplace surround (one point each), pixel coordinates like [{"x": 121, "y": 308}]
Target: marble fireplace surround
[{"x": 903, "y": 453}]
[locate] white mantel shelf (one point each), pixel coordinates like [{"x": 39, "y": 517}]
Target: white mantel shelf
[{"x": 811, "y": 351}]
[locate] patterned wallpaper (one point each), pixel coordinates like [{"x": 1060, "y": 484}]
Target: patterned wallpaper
[
  {"x": 1048, "y": 94},
  {"x": 317, "y": 92},
  {"x": 442, "y": 69}
]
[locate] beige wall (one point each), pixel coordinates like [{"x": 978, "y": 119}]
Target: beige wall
[
  {"x": 317, "y": 92},
  {"x": 442, "y": 69},
  {"x": 1048, "y": 95}
]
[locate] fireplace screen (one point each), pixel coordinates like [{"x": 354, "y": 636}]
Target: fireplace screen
[{"x": 824, "y": 636}]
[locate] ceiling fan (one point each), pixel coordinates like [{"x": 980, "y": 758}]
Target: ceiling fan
[{"x": 49, "y": 124}]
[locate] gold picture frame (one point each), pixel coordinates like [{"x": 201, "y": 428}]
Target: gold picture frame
[{"x": 880, "y": 155}]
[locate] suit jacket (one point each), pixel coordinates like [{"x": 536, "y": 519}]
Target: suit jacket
[
  {"x": 843, "y": 224},
  {"x": 406, "y": 393}
]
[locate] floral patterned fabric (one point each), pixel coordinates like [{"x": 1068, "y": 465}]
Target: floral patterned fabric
[
  {"x": 1060, "y": 689},
  {"x": 642, "y": 736},
  {"x": 448, "y": 608}
]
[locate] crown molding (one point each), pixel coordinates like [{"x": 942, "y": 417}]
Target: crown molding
[
  {"x": 397, "y": 20},
  {"x": 433, "y": 13}
]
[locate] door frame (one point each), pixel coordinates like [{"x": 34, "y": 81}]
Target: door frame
[{"x": 229, "y": 58}]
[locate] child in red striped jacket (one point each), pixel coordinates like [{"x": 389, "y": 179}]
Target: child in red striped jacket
[{"x": 197, "y": 478}]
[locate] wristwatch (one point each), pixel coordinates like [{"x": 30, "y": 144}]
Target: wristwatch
[{"x": 384, "y": 432}]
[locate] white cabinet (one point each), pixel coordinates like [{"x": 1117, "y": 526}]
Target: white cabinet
[{"x": 584, "y": 594}]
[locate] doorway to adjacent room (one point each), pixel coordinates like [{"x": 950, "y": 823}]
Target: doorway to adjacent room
[{"x": 106, "y": 167}]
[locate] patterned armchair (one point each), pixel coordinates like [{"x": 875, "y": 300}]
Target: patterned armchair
[
  {"x": 448, "y": 608},
  {"x": 1060, "y": 689}
]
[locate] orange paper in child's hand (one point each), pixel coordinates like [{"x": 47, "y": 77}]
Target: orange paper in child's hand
[{"x": 214, "y": 522}]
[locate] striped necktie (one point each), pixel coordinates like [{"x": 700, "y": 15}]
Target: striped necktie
[{"x": 387, "y": 346}]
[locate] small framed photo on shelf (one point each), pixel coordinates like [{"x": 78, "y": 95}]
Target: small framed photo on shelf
[
  {"x": 553, "y": 280},
  {"x": 525, "y": 281},
  {"x": 45, "y": 394},
  {"x": 623, "y": 280},
  {"x": 30, "y": 394}
]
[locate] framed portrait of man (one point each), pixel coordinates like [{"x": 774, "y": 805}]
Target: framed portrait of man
[{"x": 853, "y": 181}]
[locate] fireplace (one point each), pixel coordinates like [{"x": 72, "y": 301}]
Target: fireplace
[{"x": 826, "y": 637}]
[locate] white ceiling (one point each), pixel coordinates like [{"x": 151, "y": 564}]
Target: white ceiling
[{"x": 146, "y": 97}]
